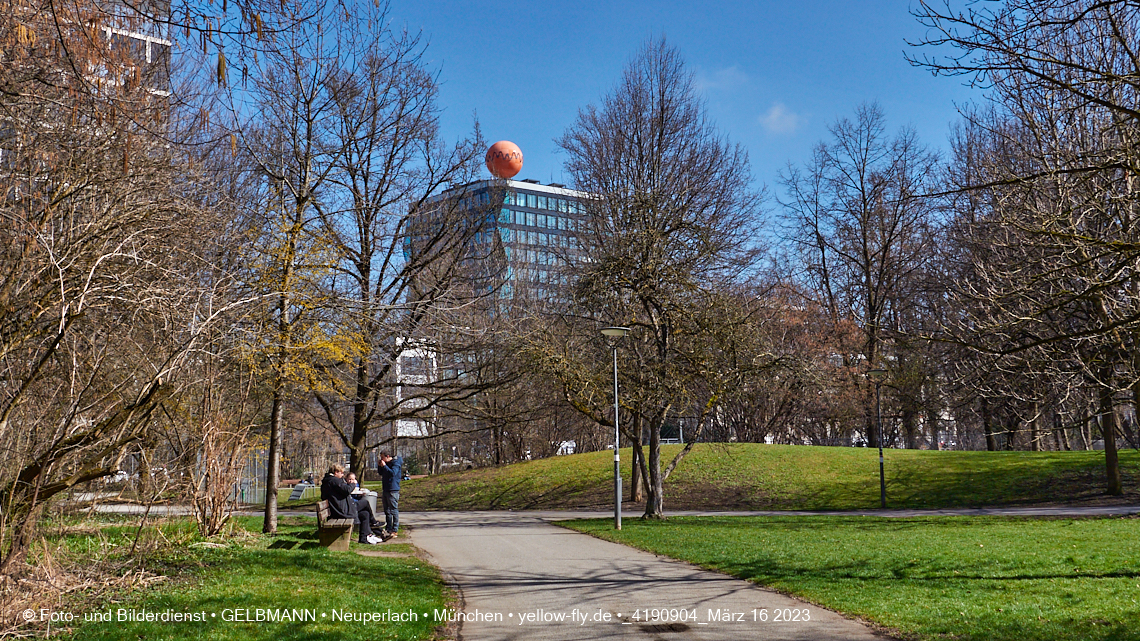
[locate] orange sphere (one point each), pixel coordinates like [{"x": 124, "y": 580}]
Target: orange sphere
[{"x": 504, "y": 159}]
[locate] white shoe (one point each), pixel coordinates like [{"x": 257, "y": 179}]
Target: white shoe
[{"x": 373, "y": 539}]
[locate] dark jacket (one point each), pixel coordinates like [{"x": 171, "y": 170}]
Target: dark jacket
[
  {"x": 392, "y": 473},
  {"x": 337, "y": 492}
]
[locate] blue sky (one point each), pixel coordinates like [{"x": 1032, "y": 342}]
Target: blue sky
[{"x": 774, "y": 74}]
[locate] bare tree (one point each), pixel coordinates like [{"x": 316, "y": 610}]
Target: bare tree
[
  {"x": 371, "y": 228},
  {"x": 673, "y": 220},
  {"x": 1057, "y": 171},
  {"x": 860, "y": 232},
  {"x": 109, "y": 279}
]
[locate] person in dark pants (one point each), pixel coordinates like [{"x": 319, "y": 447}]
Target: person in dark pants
[
  {"x": 391, "y": 471},
  {"x": 338, "y": 493}
]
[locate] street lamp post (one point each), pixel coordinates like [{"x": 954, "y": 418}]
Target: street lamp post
[
  {"x": 878, "y": 376},
  {"x": 612, "y": 335}
]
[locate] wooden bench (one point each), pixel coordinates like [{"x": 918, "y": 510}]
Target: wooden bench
[{"x": 334, "y": 534}]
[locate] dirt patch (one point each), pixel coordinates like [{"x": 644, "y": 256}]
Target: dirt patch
[{"x": 384, "y": 554}]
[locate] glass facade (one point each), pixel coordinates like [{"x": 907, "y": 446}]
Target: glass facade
[
  {"x": 538, "y": 233},
  {"x": 529, "y": 238}
]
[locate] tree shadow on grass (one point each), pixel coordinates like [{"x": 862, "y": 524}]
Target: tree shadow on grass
[{"x": 973, "y": 605}]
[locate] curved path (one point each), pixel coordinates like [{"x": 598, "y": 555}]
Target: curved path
[{"x": 519, "y": 577}]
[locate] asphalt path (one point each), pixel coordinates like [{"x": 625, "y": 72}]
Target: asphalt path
[{"x": 520, "y": 577}]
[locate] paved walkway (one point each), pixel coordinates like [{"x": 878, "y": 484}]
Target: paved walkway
[{"x": 520, "y": 577}]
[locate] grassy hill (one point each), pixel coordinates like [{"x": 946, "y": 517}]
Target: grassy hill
[{"x": 752, "y": 476}]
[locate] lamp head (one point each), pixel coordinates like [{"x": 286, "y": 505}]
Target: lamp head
[
  {"x": 615, "y": 332},
  {"x": 877, "y": 375}
]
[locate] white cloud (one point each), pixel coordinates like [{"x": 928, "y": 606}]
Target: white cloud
[
  {"x": 724, "y": 79},
  {"x": 779, "y": 120}
]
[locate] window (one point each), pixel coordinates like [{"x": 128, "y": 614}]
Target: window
[
  {"x": 562, "y": 205},
  {"x": 530, "y": 219},
  {"x": 531, "y": 200},
  {"x": 159, "y": 53},
  {"x": 414, "y": 366},
  {"x": 542, "y": 202},
  {"x": 505, "y": 216}
]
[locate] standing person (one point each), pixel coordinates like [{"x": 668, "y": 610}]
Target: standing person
[
  {"x": 391, "y": 471},
  {"x": 338, "y": 493}
]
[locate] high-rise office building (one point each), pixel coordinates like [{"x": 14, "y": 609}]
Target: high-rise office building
[
  {"x": 528, "y": 238},
  {"x": 517, "y": 259}
]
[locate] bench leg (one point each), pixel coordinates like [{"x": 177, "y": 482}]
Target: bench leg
[{"x": 335, "y": 539}]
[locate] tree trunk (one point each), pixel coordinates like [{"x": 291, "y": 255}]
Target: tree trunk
[
  {"x": 272, "y": 468},
  {"x": 1086, "y": 437},
  {"x": 1064, "y": 434},
  {"x": 1034, "y": 430},
  {"x": 932, "y": 423},
  {"x": 637, "y": 481},
  {"x": 642, "y": 467},
  {"x": 497, "y": 442},
  {"x": 870, "y": 424},
  {"x": 1108, "y": 431},
  {"x": 1058, "y": 433},
  {"x": 656, "y": 489},
  {"x": 910, "y": 428},
  {"x": 1136, "y": 401},
  {"x": 358, "y": 448},
  {"x": 1012, "y": 423},
  {"x": 358, "y": 444},
  {"x": 988, "y": 426}
]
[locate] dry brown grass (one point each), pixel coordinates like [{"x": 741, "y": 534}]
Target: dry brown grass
[{"x": 77, "y": 562}]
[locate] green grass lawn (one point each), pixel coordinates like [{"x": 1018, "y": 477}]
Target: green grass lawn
[
  {"x": 250, "y": 572},
  {"x": 963, "y": 578},
  {"x": 752, "y": 476}
]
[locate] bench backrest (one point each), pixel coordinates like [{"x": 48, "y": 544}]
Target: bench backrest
[{"x": 322, "y": 513}]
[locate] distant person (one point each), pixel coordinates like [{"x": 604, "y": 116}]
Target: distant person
[
  {"x": 391, "y": 471},
  {"x": 338, "y": 493}
]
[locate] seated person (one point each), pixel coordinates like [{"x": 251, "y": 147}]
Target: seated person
[
  {"x": 338, "y": 493},
  {"x": 358, "y": 492}
]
